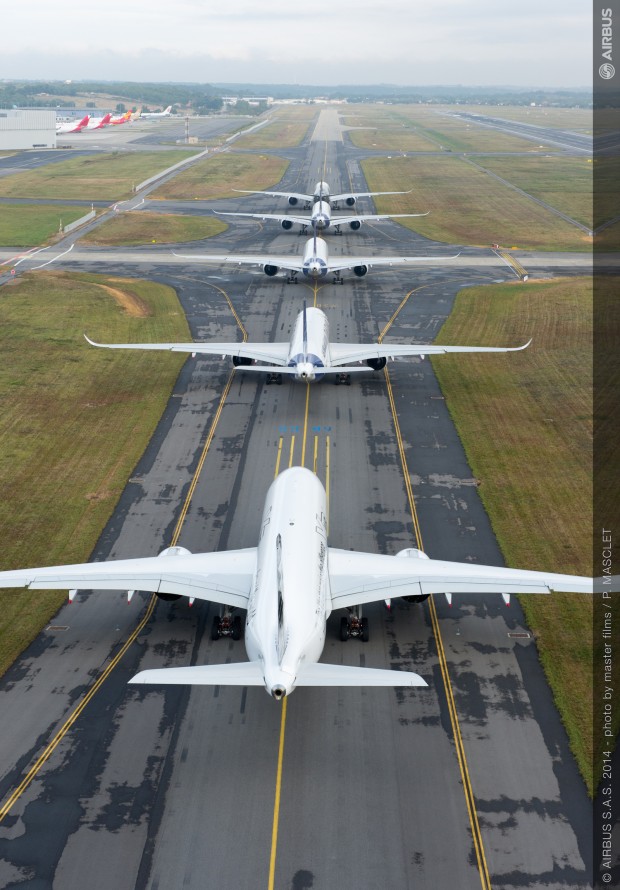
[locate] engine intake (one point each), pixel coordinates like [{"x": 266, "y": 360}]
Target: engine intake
[
  {"x": 360, "y": 271},
  {"x": 270, "y": 270},
  {"x": 292, "y": 201},
  {"x": 286, "y": 224},
  {"x": 377, "y": 364},
  {"x": 355, "y": 224},
  {"x": 350, "y": 202},
  {"x": 240, "y": 360}
]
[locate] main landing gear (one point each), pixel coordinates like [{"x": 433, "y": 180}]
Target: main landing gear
[
  {"x": 226, "y": 625},
  {"x": 338, "y": 279},
  {"x": 274, "y": 378},
  {"x": 353, "y": 625},
  {"x": 345, "y": 379},
  {"x": 292, "y": 278}
]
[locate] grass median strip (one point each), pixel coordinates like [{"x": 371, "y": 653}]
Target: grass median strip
[
  {"x": 74, "y": 420},
  {"x": 525, "y": 421},
  {"x": 27, "y": 225},
  {"x": 467, "y": 205},
  {"x": 218, "y": 177},
  {"x": 95, "y": 177},
  {"x": 131, "y": 229}
]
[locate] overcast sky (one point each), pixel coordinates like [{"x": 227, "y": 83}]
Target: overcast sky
[{"x": 523, "y": 42}]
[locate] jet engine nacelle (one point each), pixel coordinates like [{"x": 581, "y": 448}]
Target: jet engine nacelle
[
  {"x": 360, "y": 271},
  {"x": 286, "y": 224},
  {"x": 355, "y": 224},
  {"x": 270, "y": 270},
  {"x": 351, "y": 202},
  {"x": 377, "y": 364},
  {"x": 240, "y": 360},
  {"x": 292, "y": 201},
  {"x": 172, "y": 551}
]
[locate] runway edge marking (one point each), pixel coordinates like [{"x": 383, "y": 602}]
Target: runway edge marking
[
  {"x": 66, "y": 726},
  {"x": 458, "y": 741}
]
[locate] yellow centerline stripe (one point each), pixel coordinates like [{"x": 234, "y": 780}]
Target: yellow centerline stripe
[
  {"x": 458, "y": 741},
  {"x": 278, "y": 789},
  {"x": 66, "y": 726}
]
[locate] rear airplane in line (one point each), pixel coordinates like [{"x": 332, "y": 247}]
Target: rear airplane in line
[
  {"x": 98, "y": 123},
  {"x": 314, "y": 263},
  {"x": 289, "y": 584},
  {"x": 309, "y": 356},
  {"x": 322, "y": 193},
  {"x": 121, "y": 119},
  {"x": 157, "y": 114},
  {"x": 321, "y": 218}
]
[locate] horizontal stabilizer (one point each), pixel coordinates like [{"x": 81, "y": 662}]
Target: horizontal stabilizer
[
  {"x": 345, "y": 675},
  {"x": 243, "y": 673}
]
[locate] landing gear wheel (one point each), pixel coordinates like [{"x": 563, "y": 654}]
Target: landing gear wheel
[
  {"x": 237, "y": 630},
  {"x": 344, "y": 628},
  {"x": 215, "y": 628},
  {"x": 365, "y": 634}
]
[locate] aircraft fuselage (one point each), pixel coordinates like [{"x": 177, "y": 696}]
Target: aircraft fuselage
[
  {"x": 290, "y": 599},
  {"x": 314, "y": 354}
]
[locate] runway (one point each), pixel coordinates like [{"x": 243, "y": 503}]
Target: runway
[{"x": 466, "y": 784}]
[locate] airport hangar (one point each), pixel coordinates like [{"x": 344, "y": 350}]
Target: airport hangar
[{"x": 22, "y": 128}]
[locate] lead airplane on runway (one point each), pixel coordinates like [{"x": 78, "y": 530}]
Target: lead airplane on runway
[
  {"x": 322, "y": 193},
  {"x": 309, "y": 355},
  {"x": 72, "y": 126},
  {"x": 288, "y": 584},
  {"x": 314, "y": 263},
  {"x": 321, "y": 218}
]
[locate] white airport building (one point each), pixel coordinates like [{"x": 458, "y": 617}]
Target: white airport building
[{"x": 22, "y": 128}]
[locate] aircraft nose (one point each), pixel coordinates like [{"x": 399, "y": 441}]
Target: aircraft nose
[{"x": 278, "y": 692}]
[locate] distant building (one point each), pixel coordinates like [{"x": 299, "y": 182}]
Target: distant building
[{"x": 22, "y": 128}]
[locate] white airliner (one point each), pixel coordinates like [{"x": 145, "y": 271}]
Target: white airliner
[
  {"x": 309, "y": 355},
  {"x": 72, "y": 126},
  {"x": 98, "y": 123},
  {"x": 314, "y": 263},
  {"x": 321, "y": 218},
  {"x": 156, "y": 114},
  {"x": 322, "y": 193},
  {"x": 288, "y": 586}
]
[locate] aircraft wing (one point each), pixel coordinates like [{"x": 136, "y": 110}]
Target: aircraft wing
[
  {"x": 277, "y": 353},
  {"x": 337, "y": 265},
  {"x": 277, "y": 194},
  {"x": 359, "y": 352},
  {"x": 358, "y": 578},
  {"x": 278, "y": 217},
  {"x": 225, "y": 577},
  {"x": 294, "y": 264},
  {"x": 371, "y": 217},
  {"x": 346, "y": 195}
]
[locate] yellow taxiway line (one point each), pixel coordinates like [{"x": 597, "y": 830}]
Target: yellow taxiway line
[{"x": 456, "y": 731}]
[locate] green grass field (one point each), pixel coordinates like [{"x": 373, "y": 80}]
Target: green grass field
[
  {"x": 153, "y": 228},
  {"x": 218, "y": 177},
  {"x": 26, "y": 225},
  {"x": 467, "y": 205},
  {"x": 525, "y": 421},
  {"x": 403, "y": 138},
  {"x": 564, "y": 183},
  {"x": 74, "y": 420},
  {"x": 105, "y": 177},
  {"x": 280, "y": 134}
]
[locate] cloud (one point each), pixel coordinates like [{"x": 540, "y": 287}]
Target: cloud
[{"x": 400, "y": 41}]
